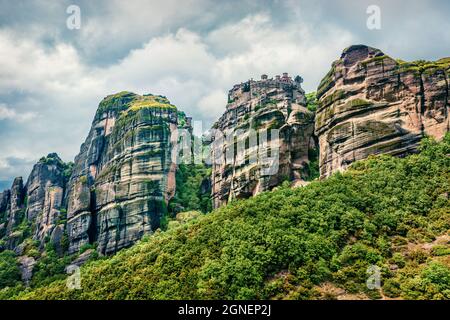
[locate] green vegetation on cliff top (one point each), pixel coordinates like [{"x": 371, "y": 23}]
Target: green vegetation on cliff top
[
  {"x": 311, "y": 101},
  {"x": 126, "y": 102},
  {"x": 418, "y": 66},
  {"x": 294, "y": 243}
]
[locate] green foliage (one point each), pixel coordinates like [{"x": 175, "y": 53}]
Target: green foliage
[
  {"x": 164, "y": 221},
  {"x": 25, "y": 226},
  {"x": 311, "y": 101},
  {"x": 282, "y": 244},
  {"x": 50, "y": 267},
  {"x": 86, "y": 246},
  {"x": 83, "y": 179},
  {"x": 312, "y": 168},
  {"x": 115, "y": 102},
  {"x": 423, "y": 66},
  {"x": 192, "y": 189},
  {"x": 432, "y": 283},
  {"x": 68, "y": 168},
  {"x": 441, "y": 250},
  {"x": 12, "y": 292},
  {"x": 9, "y": 270},
  {"x": 246, "y": 87},
  {"x": 182, "y": 119}
]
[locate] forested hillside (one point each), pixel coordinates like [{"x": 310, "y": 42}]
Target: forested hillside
[{"x": 312, "y": 242}]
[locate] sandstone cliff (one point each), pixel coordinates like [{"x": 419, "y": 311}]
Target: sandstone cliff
[
  {"x": 370, "y": 103},
  {"x": 254, "y": 109},
  {"x": 37, "y": 204},
  {"x": 124, "y": 174},
  {"x": 45, "y": 193},
  {"x": 12, "y": 212}
]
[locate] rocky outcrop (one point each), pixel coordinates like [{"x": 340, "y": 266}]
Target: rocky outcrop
[
  {"x": 4, "y": 200},
  {"x": 263, "y": 138},
  {"x": 36, "y": 208},
  {"x": 15, "y": 210},
  {"x": 4, "y": 211},
  {"x": 56, "y": 238},
  {"x": 45, "y": 194},
  {"x": 124, "y": 174},
  {"x": 26, "y": 268},
  {"x": 370, "y": 103}
]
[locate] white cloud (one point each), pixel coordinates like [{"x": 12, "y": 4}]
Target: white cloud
[
  {"x": 52, "y": 80},
  {"x": 10, "y": 114},
  {"x": 124, "y": 24},
  {"x": 193, "y": 71}
]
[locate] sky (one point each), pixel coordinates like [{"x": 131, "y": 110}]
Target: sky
[{"x": 52, "y": 77}]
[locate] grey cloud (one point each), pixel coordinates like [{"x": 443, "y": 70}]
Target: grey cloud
[
  {"x": 191, "y": 51},
  {"x": 5, "y": 184},
  {"x": 11, "y": 167}
]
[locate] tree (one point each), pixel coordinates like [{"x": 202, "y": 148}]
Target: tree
[{"x": 9, "y": 269}]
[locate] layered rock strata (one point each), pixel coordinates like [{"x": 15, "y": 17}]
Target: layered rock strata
[
  {"x": 45, "y": 193},
  {"x": 124, "y": 174},
  {"x": 37, "y": 205},
  {"x": 370, "y": 103},
  {"x": 262, "y": 139}
]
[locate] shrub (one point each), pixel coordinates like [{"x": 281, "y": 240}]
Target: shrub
[
  {"x": 9, "y": 269},
  {"x": 285, "y": 242}
]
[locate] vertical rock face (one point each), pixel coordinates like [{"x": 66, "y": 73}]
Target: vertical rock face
[
  {"x": 38, "y": 203},
  {"x": 4, "y": 200},
  {"x": 253, "y": 110},
  {"x": 16, "y": 202},
  {"x": 124, "y": 174},
  {"x": 45, "y": 193},
  {"x": 4, "y": 208},
  {"x": 12, "y": 212},
  {"x": 370, "y": 103}
]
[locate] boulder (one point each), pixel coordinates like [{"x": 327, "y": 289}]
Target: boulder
[{"x": 26, "y": 268}]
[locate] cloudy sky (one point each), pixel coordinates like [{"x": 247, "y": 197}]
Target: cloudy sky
[{"x": 192, "y": 51}]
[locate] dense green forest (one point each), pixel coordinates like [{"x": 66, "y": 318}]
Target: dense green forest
[{"x": 312, "y": 242}]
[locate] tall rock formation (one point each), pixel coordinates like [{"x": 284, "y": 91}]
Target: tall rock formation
[
  {"x": 370, "y": 103},
  {"x": 4, "y": 211},
  {"x": 12, "y": 212},
  {"x": 255, "y": 108},
  {"x": 36, "y": 208},
  {"x": 124, "y": 174},
  {"x": 16, "y": 203},
  {"x": 45, "y": 194}
]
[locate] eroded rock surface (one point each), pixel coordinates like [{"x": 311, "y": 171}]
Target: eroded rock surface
[
  {"x": 253, "y": 110},
  {"x": 26, "y": 268},
  {"x": 45, "y": 194},
  {"x": 15, "y": 211},
  {"x": 370, "y": 103},
  {"x": 124, "y": 174}
]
